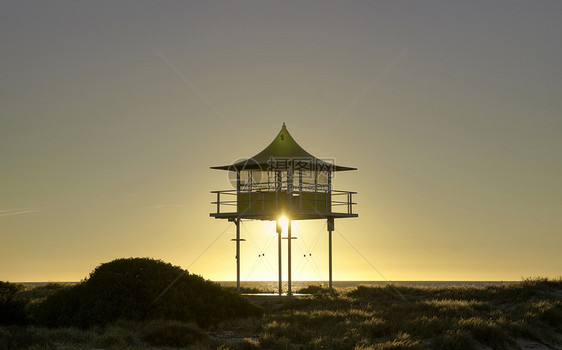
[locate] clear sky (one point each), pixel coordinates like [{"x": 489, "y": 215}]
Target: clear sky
[{"x": 111, "y": 114}]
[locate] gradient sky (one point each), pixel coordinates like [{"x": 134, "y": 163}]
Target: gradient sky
[{"x": 112, "y": 113}]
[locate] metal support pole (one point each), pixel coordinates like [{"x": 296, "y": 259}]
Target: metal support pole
[
  {"x": 289, "y": 247},
  {"x": 237, "y": 222},
  {"x": 330, "y": 259},
  {"x": 238, "y": 255},
  {"x": 279, "y": 230},
  {"x": 330, "y": 230}
]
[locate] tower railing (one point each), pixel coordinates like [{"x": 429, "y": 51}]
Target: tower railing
[{"x": 300, "y": 201}]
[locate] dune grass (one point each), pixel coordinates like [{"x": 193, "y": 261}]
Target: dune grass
[
  {"x": 365, "y": 317},
  {"x": 407, "y": 317},
  {"x": 120, "y": 335}
]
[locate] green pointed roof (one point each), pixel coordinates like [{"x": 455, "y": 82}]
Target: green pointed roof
[{"x": 282, "y": 147}]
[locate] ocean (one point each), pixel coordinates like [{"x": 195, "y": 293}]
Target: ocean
[{"x": 296, "y": 285}]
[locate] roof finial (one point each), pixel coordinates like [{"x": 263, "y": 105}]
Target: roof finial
[{"x": 283, "y": 123}]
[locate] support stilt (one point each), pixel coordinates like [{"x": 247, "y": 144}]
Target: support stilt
[
  {"x": 330, "y": 259},
  {"x": 279, "y": 230},
  {"x": 330, "y": 230},
  {"x": 238, "y": 255},
  {"x": 289, "y": 263},
  {"x": 237, "y": 222}
]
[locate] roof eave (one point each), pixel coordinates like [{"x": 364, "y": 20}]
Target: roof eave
[
  {"x": 223, "y": 167},
  {"x": 343, "y": 168},
  {"x": 233, "y": 167}
]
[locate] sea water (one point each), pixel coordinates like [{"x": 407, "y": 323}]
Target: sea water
[{"x": 296, "y": 285}]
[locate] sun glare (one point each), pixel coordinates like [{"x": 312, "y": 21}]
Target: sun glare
[
  {"x": 284, "y": 222},
  {"x": 270, "y": 227}
]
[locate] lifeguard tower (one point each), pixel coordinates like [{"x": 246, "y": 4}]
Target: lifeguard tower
[{"x": 283, "y": 180}]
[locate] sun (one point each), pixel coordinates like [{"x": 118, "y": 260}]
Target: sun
[
  {"x": 271, "y": 226},
  {"x": 284, "y": 222}
]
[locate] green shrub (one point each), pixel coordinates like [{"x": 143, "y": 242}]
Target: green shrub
[
  {"x": 39, "y": 293},
  {"x": 142, "y": 289},
  {"x": 12, "y": 309},
  {"x": 313, "y": 289},
  {"x": 252, "y": 290}
]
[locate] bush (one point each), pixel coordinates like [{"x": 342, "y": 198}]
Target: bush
[
  {"x": 39, "y": 293},
  {"x": 12, "y": 309},
  {"x": 252, "y": 290},
  {"x": 313, "y": 289},
  {"x": 136, "y": 289}
]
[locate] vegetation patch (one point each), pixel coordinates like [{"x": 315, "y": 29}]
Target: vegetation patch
[
  {"x": 407, "y": 317},
  {"x": 12, "y": 308},
  {"x": 140, "y": 289},
  {"x": 174, "y": 334},
  {"x": 386, "y": 317},
  {"x": 313, "y": 289}
]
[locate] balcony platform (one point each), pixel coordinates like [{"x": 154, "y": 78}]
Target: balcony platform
[
  {"x": 294, "y": 215},
  {"x": 296, "y": 205}
]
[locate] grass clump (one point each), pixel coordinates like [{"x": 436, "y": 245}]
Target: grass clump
[
  {"x": 252, "y": 290},
  {"x": 173, "y": 334},
  {"x": 313, "y": 289},
  {"x": 407, "y": 317},
  {"x": 119, "y": 335},
  {"x": 18, "y": 337}
]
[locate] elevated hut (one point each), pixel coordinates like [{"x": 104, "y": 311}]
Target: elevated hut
[{"x": 283, "y": 180}]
